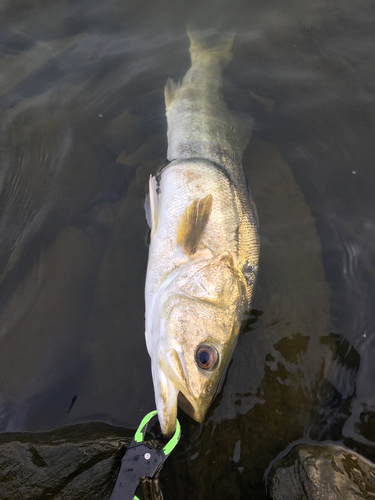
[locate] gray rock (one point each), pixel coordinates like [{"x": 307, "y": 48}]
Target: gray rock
[
  {"x": 322, "y": 472},
  {"x": 75, "y": 462}
]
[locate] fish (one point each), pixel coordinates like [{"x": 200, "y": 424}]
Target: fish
[{"x": 204, "y": 243}]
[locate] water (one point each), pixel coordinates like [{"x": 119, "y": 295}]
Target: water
[{"x": 83, "y": 126}]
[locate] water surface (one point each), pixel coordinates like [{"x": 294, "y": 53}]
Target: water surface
[{"x": 83, "y": 126}]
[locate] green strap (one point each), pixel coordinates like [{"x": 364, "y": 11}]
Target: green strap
[
  {"x": 141, "y": 431},
  {"x": 174, "y": 440},
  {"x": 139, "y": 435}
]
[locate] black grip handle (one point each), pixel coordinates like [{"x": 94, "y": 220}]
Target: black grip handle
[{"x": 140, "y": 461}]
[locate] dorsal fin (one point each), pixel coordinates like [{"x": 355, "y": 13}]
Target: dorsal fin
[
  {"x": 193, "y": 223},
  {"x": 170, "y": 91}
]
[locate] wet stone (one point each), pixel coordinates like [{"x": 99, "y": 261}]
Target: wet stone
[
  {"x": 76, "y": 462},
  {"x": 322, "y": 472}
]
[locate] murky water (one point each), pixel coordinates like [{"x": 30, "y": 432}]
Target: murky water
[{"x": 83, "y": 126}]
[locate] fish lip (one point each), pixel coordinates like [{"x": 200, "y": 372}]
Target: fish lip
[{"x": 166, "y": 396}]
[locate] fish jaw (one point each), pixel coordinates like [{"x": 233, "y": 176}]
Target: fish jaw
[{"x": 166, "y": 400}]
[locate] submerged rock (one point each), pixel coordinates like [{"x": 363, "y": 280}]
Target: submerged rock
[
  {"x": 322, "y": 472},
  {"x": 76, "y": 462}
]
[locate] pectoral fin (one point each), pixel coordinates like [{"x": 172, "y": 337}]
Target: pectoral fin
[
  {"x": 152, "y": 215},
  {"x": 193, "y": 223}
]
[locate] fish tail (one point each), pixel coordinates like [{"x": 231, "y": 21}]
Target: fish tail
[
  {"x": 209, "y": 56},
  {"x": 217, "y": 53}
]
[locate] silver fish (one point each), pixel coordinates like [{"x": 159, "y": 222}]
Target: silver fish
[{"x": 203, "y": 256}]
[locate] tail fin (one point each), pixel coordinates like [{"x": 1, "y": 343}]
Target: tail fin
[
  {"x": 209, "y": 56},
  {"x": 218, "y": 53}
]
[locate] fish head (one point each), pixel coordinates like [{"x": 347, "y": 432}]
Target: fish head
[{"x": 200, "y": 319}]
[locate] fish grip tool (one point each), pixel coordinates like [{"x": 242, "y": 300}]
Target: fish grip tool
[{"x": 141, "y": 460}]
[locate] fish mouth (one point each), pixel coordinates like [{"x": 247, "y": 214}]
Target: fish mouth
[
  {"x": 193, "y": 411},
  {"x": 172, "y": 390}
]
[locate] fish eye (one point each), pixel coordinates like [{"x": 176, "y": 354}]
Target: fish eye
[{"x": 206, "y": 356}]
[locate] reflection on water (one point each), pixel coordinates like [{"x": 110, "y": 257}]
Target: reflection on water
[{"x": 82, "y": 128}]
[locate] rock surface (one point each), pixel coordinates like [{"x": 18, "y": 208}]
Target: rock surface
[
  {"x": 322, "y": 472},
  {"x": 75, "y": 462}
]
